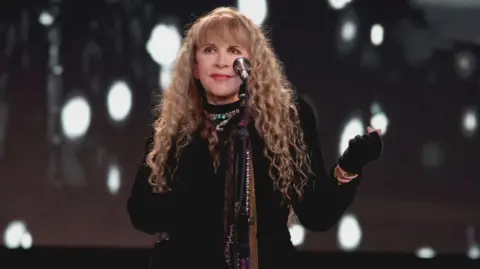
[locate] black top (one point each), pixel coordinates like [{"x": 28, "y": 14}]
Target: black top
[
  {"x": 211, "y": 108},
  {"x": 192, "y": 213}
]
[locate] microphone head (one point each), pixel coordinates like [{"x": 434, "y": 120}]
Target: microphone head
[{"x": 242, "y": 67}]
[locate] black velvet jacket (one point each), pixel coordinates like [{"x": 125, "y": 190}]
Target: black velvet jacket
[{"x": 192, "y": 213}]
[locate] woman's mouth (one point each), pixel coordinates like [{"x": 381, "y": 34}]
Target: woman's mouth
[{"x": 220, "y": 77}]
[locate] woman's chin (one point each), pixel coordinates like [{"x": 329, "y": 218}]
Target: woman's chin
[{"x": 223, "y": 97}]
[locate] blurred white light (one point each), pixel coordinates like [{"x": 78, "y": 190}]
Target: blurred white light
[
  {"x": 377, "y": 34},
  {"x": 338, "y": 4},
  {"x": 26, "y": 241},
  {"x": 119, "y": 101},
  {"x": 469, "y": 122},
  {"x": 113, "y": 179},
  {"x": 46, "y": 18},
  {"x": 465, "y": 64},
  {"x": 425, "y": 253},
  {"x": 474, "y": 252},
  {"x": 164, "y": 44},
  {"x": 57, "y": 70},
  {"x": 349, "y": 233},
  {"x": 165, "y": 77},
  {"x": 297, "y": 234},
  {"x": 474, "y": 249},
  {"x": 256, "y": 10},
  {"x": 380, "y": 121},
  {"x": 348, "y": 31},
  {"x": 12, "y": 235},
  {"x": 75, "y": 117},
  {"x": 353, "y": 127}
]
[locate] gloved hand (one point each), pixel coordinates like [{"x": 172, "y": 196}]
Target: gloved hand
[{"x": 361, "y": 150}]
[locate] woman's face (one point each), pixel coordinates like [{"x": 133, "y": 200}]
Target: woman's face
[{"x": 214, "y": 69}]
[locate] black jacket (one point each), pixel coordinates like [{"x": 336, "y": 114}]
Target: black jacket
[{"x": 192, "y": 213}]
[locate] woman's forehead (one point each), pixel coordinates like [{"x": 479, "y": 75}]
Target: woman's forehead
[
  {"x": 223, "y": 33},
  {"x": 221, "y": 41}
]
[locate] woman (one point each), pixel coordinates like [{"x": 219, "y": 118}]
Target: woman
[{"x": 185, "y": 186}]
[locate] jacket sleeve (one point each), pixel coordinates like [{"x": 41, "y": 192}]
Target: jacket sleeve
[
  {"x": 150, "y": 212},
  {"x": 323, "y": 201}
]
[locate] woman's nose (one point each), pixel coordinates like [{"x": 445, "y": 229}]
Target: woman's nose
[{"x": 222, "y": 61}]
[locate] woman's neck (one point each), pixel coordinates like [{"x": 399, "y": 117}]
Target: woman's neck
[{"x": 216, "y": 100}]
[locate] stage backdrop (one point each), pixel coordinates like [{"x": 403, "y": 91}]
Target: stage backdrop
[{"x": 76, "y": 94}]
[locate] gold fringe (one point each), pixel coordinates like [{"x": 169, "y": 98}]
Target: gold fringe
[{"x": 253, "y": 216}]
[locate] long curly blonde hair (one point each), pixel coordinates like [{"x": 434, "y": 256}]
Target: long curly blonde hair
[{"x": 272, "y": 105}]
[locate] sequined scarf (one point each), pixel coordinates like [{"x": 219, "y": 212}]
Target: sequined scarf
[{"x": 246, "y": 256}]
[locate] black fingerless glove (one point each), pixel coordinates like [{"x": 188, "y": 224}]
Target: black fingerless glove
[{"x": 361, "y": 150}]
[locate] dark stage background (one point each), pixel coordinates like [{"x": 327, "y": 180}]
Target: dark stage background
[{"x": 76, "y": 91}]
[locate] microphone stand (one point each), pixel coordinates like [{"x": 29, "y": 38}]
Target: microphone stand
[{"x": 240, "y": 174}]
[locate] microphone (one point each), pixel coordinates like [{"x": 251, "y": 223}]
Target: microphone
[{"x": 242, "y": 68}]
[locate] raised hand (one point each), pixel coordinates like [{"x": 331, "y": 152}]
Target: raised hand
[{"x": 362, "y": 150}]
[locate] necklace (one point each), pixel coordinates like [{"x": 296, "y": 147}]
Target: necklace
[
  {"x": 221, "y": 119},
  {"x": 223, "y": 116}
]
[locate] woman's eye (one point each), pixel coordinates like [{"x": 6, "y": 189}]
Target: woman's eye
[
  {"x": 209, "y": 50},
  {"x": 235, "y": 51}
]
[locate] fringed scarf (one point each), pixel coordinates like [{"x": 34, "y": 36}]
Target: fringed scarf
[
  {"x": 228, "y": 122},
  {"x": 246, "y": 255},
  {"x": 253, "y": 216}
]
